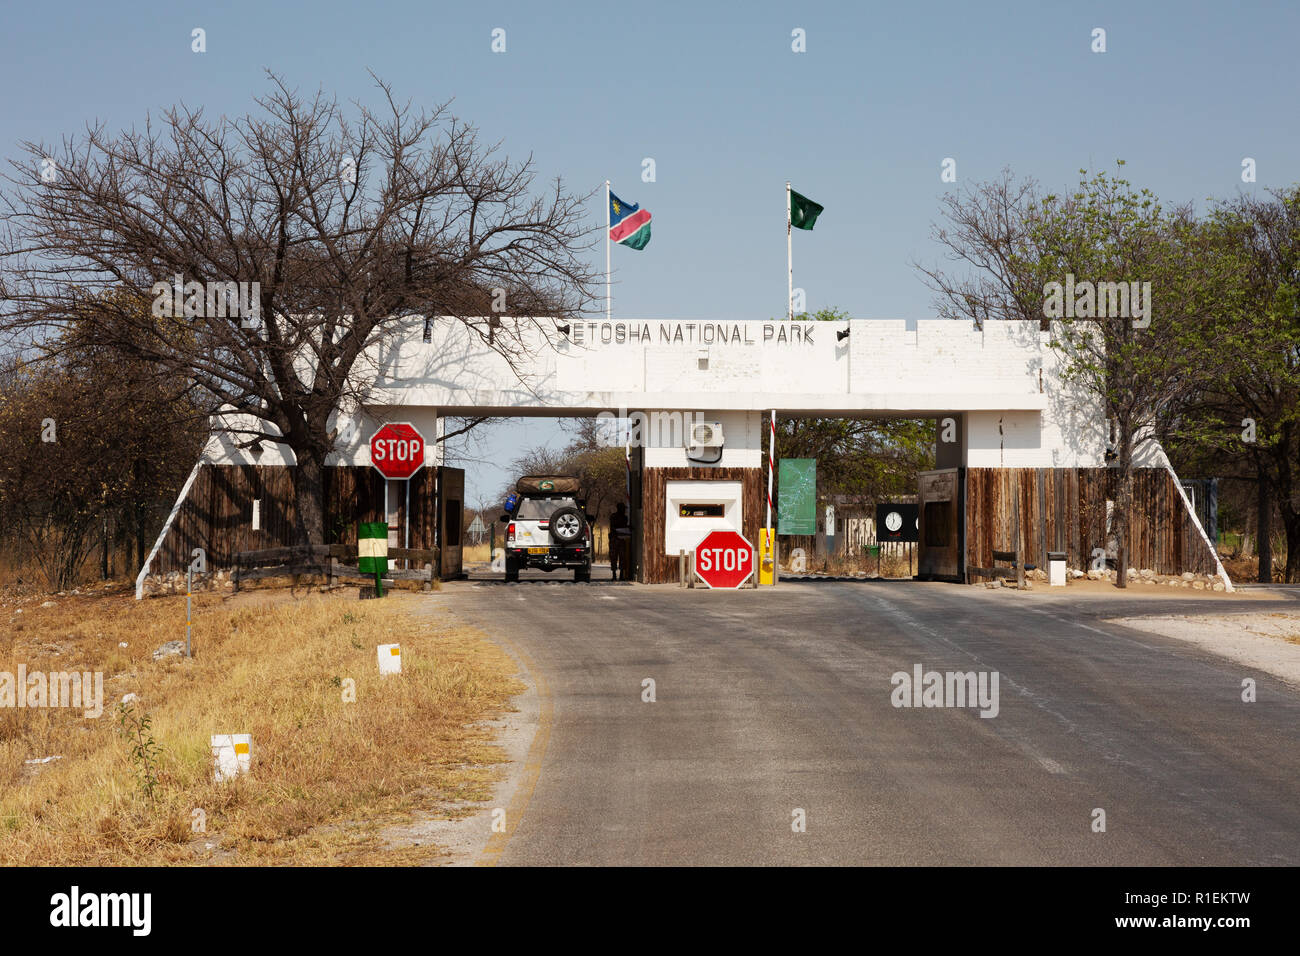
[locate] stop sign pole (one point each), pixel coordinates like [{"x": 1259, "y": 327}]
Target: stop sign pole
[
  {"x": 724, "y": 560},
  {"x": 397, "y": 453}
]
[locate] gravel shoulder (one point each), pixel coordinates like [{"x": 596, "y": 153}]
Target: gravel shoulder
[
  {"x": 1268, "y": 641},
  {"x": 473, "y": 833}
]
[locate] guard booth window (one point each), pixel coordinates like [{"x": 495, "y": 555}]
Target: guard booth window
[{"x": 702, "y": 511}]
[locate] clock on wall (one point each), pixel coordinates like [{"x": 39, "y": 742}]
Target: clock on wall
[{"x": 896, "y": 521}]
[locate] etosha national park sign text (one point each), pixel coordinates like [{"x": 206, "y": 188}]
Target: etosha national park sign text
[{"x": 692, "y": 333}]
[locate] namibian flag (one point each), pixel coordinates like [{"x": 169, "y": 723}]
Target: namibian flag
[{"x": 629, "y": 224}]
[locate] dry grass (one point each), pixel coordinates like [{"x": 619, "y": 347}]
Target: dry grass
[
  {"x": 326, "y": 774},
  {"x": 1243, "y": 570},
  {"x": 1246, "y": 570},
  {"x": 476, "y": 553}
]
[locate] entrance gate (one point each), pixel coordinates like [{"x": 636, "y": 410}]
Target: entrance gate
[
  {"x": 451, "y": 513},
  {"x": 942, "y": 548}
]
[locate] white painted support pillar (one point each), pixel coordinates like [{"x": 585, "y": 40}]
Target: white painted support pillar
[{"x": 167, "y": 525}]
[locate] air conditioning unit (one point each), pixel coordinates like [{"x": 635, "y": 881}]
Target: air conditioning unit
[{"x": 706, "y": 435}]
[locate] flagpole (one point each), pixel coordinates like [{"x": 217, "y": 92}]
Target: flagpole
[
  {"x": 627, "y": 463},
  {"x": 789, "y": 259},
  {"x": 609, "y": 299}
]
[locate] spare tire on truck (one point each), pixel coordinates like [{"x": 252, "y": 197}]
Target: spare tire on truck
[{"x": 567, "y": 525}]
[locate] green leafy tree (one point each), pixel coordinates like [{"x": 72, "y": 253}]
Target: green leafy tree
[
  {"x": 1244, "y": 421},
  {"x": 867, "y": 460},
  {"x": 1139, "y": 366}
]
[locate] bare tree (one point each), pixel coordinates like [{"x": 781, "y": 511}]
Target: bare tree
[
  {"x": 341, "y": 227},
  {"x": 989, "y": 229},
  {"x": 601, "y": 468},
  {"x": 87, "y": 448},
  {"x": 474, "y": 432}
]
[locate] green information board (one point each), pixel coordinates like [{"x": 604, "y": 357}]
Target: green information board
[{"x": 796, "y": 500}]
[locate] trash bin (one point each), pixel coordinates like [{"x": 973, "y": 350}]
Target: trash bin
[
  {"x": 873, "y": 550},
  {"x": 1056, "y": 569}
]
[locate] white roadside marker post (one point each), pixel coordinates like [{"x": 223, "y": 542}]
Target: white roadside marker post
[
  {"x": 232, "y": 754},
  {"x": 390, "y": 658}
]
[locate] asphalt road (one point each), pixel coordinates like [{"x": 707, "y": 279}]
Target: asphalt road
[{"x": 778, "y": 700}]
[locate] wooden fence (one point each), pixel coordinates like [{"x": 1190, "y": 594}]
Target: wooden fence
[
  {"x": 855, "y": 530},
  {"x": 1061, "y": 509},
  {"x": 335, "y": 561},
  {"x": 1066, "y": 509},
  {"x": 217, "y": 515}
]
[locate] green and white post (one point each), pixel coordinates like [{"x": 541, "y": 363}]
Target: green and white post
[{"x": 372, "y": 551}]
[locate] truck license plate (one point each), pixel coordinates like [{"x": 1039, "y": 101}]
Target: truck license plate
[{"x": 539, "y": 550}]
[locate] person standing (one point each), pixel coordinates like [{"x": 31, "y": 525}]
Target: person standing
[{"x": 620, "y": 542}]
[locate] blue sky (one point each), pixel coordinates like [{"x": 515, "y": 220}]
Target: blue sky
[{"x": 712, "y": 92}]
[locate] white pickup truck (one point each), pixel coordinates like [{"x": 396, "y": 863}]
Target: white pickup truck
[{"x": 547, "y": 527}]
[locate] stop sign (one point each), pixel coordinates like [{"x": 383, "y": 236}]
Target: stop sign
[
  {"x": 397, "y": 450},
  {"x": 724, "y": 559}
]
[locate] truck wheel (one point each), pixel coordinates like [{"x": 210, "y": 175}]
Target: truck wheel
[
  {"x": 512, "y": 569},
  {"x": 566, "y": 525},
  {"x": 582, "y": 574}
]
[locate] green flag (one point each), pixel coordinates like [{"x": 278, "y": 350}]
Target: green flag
[{"x": 803, "y": 211}]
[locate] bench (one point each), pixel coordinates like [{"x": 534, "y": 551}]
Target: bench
[{"x": 1017, "y": 568}]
